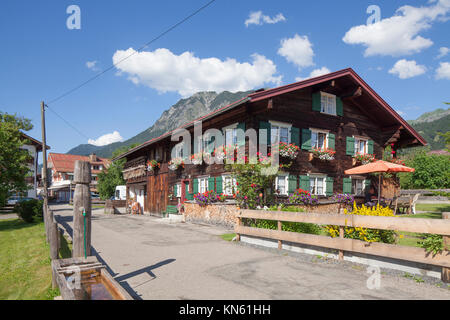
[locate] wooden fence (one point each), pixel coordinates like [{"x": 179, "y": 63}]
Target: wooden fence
[{"x": 433, "y": 226}]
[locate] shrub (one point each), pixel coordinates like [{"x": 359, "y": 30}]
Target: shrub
[
  {"x": 364, "y": 234},
  {"x": 29, "y": 209},
  {"x": 299, "y": 227},
  {"x": 345, "y": 199},
  {"x": 432, "y": 243}
]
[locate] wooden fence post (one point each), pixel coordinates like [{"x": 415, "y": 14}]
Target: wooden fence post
[
  {"x": 82, "y": 205},
  {"x": 341, "y": 234},
  {"x": 445, "y": 275},
  {"x": 53, "y": 235},
  {"x": 238, "y": 223},
  {"x": 280, "y": 243}
]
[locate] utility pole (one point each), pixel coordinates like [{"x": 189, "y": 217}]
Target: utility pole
[{"x": 44, "y": 169}]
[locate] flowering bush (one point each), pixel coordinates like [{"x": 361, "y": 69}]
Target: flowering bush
[
  {"x": 175, "y": 163},
  {"x": 346, "y": 199},
  {"x": 197, "y": 158},
  {"x": 323, "y": 154},
  {"x": 301, "y": 196},
  {"x": 152, "y": 165},
  {"x": 209, "y": 197},
  {"x": 364, "y": 158},
  {"x": 397, "y": 161},
  {"x": 364, "y": 234},
  {"x": 288, "y": 150}
]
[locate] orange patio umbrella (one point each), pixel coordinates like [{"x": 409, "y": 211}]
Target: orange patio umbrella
[{"x": 377, "y": 167}]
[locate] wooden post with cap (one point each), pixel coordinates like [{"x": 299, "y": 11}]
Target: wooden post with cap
[
  {"x": 445, "y": 275},
  {"x": 82, "y": 210}
]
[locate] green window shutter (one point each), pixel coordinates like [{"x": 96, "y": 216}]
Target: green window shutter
[
  {"x": 295, "y": 136},
  {"x": 195, "y": 186},
  {"x": 331, "y": 141},
  {"x": 175, "y": 191},
  {"x": 292, "y": 183},
  {"x": 316, "y": 102},
  {"x": 211, "y": 183},
  {"x": 219, "y": 187},
  {"x": 339, "y": 107},
  {"x": 370, "y": 147},
  {"x": 347, "y": 186},
  {"x": 264, "y": 125},
  {"x": 350, "y": 149},
  {"x": 329, "y": 186},
  {"x": 306, "y": 139},
  {"x": 304, "y": 183},
  {"x": 189, "y": 196},
  {"x": 241, "y": 134}
]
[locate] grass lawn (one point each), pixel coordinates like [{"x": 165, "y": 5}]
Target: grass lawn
[
  {"x": 431, "y": 207},
  {"x": 25, "y": 269},
  {"x": 228, "y": 236}
]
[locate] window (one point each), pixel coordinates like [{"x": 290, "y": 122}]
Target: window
[
  {"x": 360, "y": 145},
  {"x": 229, "y": 185},
  {"x": 179, "y": 150},
  {"x": 178, "y": 190},
  {"x": 317, "y": 185},
  {"x": 319, "y": 139},
  {"x": 328, "y": 103},
  {"x": 358, "y": 187},
  {"x": 203, "y": 184},
  {"x": 280, "y": 132},
  {"x": 231, "y": 134},
  {"x": 281, "y": 184}
]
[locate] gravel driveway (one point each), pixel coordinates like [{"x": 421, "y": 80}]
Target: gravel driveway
[{"x": 156, "y": 260}]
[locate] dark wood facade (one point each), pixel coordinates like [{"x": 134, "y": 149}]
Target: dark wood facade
[{"x": 363, "y": 114}]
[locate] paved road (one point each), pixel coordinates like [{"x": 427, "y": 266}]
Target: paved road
[{"x": 156, "y": 260}]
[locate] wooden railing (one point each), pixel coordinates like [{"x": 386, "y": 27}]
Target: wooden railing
[{"x": 432, "y": 226}]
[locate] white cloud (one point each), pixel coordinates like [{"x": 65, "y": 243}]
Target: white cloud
[
  {"x": 297, "y": 50},
  {"x": 405, "y": 69},
  {"x": 315, "y": 73},
  {"x": 399, "y": 34},
  {"x": 258, "y": 18},
  {"x": 187, "y": 74},
  {"x": 443, "y": 51},
  {"x": 92, "y": 65},
  {"x": 443, "y": 72},
  {"x": 106, "y": 139}
]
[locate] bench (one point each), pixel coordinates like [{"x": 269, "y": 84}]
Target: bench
[{"x": 171, "y": 210}]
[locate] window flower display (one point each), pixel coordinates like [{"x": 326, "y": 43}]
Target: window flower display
[
  {"x": 288, "y": 150},
  {"x": 323, "y": 154},
  {"x": 176, "y": 163},
  {"x": 152, "y": 165},
  {"x": 364, "y": 158}
]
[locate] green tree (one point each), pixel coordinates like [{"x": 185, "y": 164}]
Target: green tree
[
  {"x": 432, "y": 172},
  {"x": 108, "y": 180},
  {"x": 13, "y": 159}
]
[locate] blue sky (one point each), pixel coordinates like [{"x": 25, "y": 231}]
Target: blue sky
[{"x": 405, "y": 56}]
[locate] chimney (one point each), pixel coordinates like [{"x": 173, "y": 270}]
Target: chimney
[{"x": 93, "y": 157}]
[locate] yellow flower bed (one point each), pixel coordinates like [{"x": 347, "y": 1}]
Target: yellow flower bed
[{"x": 364, "y": 234}]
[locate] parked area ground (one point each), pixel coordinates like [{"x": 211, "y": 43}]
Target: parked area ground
[{"x": 156, "y": 260}]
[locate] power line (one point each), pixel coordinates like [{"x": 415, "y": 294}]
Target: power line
[
  {"x": 67, "y": 122},
  {"x": 127, "y": 57}
]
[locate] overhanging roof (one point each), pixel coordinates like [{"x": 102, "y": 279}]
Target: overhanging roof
[{"x": 270, "y": 93}]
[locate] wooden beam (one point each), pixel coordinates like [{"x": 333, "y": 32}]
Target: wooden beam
[
  {"x": 435, "y": 226},
  {"x": 354, "y": 93},
  {"x": 373, "y": 248}
]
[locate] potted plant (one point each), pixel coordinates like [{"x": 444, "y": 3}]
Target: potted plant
[
  {"x": 197, "y": 158},
  {"x": 289, "y": 151},
  {"x": 364, "y": 158},
  {"x": 323, "y": 154},
  {"x": 152, "y": 165},
  {"x": 176, "y": 163}
]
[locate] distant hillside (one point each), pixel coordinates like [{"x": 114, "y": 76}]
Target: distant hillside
[
  {"x": 180, "y": 113},
  {"x": 430, "y": 124}
]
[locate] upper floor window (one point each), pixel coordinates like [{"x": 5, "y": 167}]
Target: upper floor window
[
  {"x": 317, "y": 185},
  {"x": 328, "y": 103},
  {"x": 178, "y": 150},
  {"x": 319, "y": 139},
  {"x": 360, "y": 145},
  {"x": 280, "y": 132},
  {"x": 231, "y": 134}
]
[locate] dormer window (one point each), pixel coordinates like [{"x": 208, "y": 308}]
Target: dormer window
[{"x": 328, "y": 103}]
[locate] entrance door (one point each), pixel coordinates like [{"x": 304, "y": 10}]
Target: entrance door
[{"x": 157, "y": 193}]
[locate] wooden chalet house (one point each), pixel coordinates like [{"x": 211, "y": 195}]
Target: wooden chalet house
[{"x": 336, "y": 111}]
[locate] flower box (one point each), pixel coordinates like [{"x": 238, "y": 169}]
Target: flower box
[
  {"x": 152, "y": 165},
  {"x": 176, "y": 163},
  {"x": 323, "y": 154},
  {"x": 289, "y": 151},
  {"x": 363, "y": 158}
]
